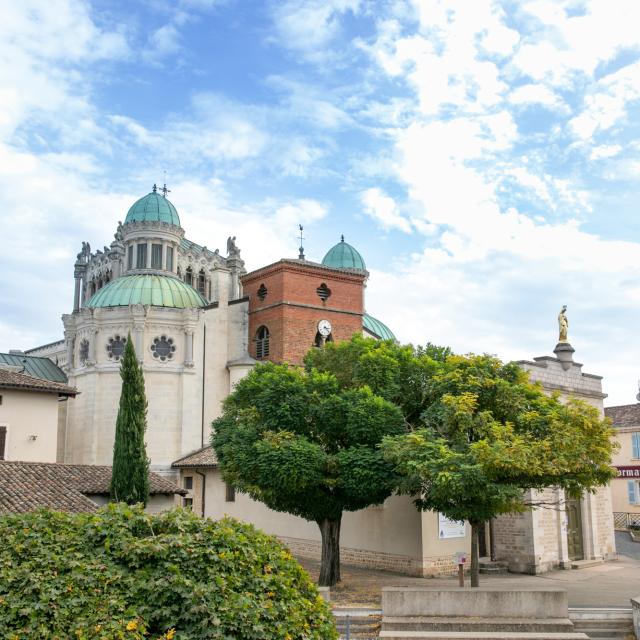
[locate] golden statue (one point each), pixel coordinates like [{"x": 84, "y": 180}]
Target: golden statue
[{"x": 563, "y": 324}]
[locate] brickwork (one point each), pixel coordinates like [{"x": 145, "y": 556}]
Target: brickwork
[
  {"x": 422, "y": 567},
  {"x": 284, "y": 298}
]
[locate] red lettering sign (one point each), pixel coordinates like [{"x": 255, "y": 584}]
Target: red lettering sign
[{"x": 628, "y": 472}]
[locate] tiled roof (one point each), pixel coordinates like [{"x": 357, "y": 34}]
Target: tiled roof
[
  {"x": 34, "y": 366},
  {"x": 205, "y": 457},
  {"x": 13, "y": 380},
  {"x": 26, "y": 486},
  {"x": 626, "y": 415}
]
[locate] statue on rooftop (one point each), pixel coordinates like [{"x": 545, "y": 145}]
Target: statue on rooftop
[
  {"x": 232, "y": 249},
  {"x": 563, "y": 324}
]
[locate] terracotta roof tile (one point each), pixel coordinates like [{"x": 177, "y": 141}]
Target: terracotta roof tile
[
  {"x": 627, "y": 415},
  {"x": 13, "y": 380},
  {"x": 26, "y": 486},
  {"x": 205, "y": 457}
]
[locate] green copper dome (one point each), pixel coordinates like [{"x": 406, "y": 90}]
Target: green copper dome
[
  {"x": 153, "y": 208},
  {"x": 159, "y": 291},
  {"x": 380, "y": 329},
  {"x": 344, "y": 256}
]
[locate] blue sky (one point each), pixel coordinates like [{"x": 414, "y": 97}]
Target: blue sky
[{"x": 483, "y": 156}]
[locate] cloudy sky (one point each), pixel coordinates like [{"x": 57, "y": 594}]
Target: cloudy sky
[{"x": 484, "y": 157}]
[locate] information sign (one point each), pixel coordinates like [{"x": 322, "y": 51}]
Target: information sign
[{"x": 450, "y": 528}]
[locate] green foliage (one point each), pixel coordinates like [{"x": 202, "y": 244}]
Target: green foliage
[
  {"x": 397, "y": 373},
  {"x": 304, "y": 443},
  {"x": 488, "y": 434},
  {"x": 130, "y": 474},
  {"x": 121, "y": 573}
]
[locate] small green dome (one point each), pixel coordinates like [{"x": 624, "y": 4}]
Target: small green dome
[
  {"x": 344, "y": 256},
  {"x": 153, "y": 208},
  {"x": 156, "y": 290},
  {"x": 380, "y": 329}
]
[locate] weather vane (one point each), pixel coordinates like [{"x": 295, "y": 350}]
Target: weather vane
[
  {"x": 301, "y": 256},
  {"x": 164, "y": 186}
]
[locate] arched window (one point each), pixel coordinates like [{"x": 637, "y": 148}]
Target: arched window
[
  {"x": 188, "y": 276},
  {"x": 262, "y": 343},
  {"x": 201, "y": 282}
]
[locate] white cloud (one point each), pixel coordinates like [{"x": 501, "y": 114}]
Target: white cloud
[
  {"x": 537, "y": 94},
  {"x": 605, "y": 151},
  {"x": 384, "y": 210},
  {"x": 308, "y": 26}
]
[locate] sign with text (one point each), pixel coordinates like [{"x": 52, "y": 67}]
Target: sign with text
[
  {"x": 628, "y": 472},
  {"x": 450, "y": 528},
  {"x": 461, "y": 557}
]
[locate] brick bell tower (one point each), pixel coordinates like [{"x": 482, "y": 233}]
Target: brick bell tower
[{"x": 297, "y": 304}]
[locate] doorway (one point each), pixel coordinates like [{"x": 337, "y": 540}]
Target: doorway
[{"x": 574, "y": 529}]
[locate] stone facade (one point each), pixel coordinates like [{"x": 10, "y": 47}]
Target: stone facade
[{"x": 538, "y": 540}]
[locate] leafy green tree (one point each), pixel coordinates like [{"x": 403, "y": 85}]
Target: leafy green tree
[
  {"x": 123, "y": 573},
  {"x": 130, "y": 472},
  {"x": 488, "y": 436},
  {"x": 302, "y": 443}
]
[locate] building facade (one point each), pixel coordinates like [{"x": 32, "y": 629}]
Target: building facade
[{"x": 199, "y": 323}]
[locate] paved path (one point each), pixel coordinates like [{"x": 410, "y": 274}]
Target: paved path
[
  {"x": 611, "y": 584},
  {"x": 626, "y": 546}
]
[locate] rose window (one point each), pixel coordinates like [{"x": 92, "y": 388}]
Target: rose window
[
  {"x": 115, "y": 347},
  {"x": 163, "y": 348}
]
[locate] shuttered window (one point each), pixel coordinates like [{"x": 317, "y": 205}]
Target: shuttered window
[
  {"x": 262, "y": 343},
  {"x": 632, "y": 487},
  {"x": 635, "y": 444},
  {"x": 3, "y": 441}
]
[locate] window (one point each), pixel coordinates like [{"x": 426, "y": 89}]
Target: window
[
  {"x": 262, "y": 342},
  {"x": 3, "y": 441},
  {"x": 262, "y": 292},
  {"x": 163, "y": 348},
  {"x": 115, "y": 347},
  {"x": 156, "y": 256},
  {"x": 0, "y": 400},
  {"x": 187, "y": 503},
  {"x": 201, "y": 282},
  {"x": 84, "y": 351},
  {"x": 188, "y": 276},
  {"x": 635, "y": 444},
  {"x": 323, "y": 292},
  {"x": 169, "y": 258},
  {"x": 130, "y": 257},
  {"x": 634, "y": 491},
  {"x": 188, "y": 483},
  {"x": 230, "y": 493},
  {"x": 141, "y": 256}
]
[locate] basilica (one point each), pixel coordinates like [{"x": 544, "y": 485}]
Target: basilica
[{"x": 199, "y": 322}]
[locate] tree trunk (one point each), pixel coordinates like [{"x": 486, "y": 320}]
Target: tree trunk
[
  {"x": 475, "y": 557},
  {"x": 330, "y": 561}
]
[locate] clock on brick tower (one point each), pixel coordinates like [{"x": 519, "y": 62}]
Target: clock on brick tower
[{"x": 296, "y": 304}]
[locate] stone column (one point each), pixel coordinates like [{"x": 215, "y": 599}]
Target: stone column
[
  {"x": 148, "y": 254},
  {"x": 79, "y": 272},
  {"x": 188, "y": 347}
]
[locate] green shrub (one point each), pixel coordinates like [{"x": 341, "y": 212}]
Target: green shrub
[{"x": 121, "y": 573}]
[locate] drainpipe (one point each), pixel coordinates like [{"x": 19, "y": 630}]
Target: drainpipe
[{"x": 204, "y": 487}]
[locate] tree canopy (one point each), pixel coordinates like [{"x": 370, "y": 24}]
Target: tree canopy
[
  {"x": 304, "y": 443},
  {"x": 488, "y": 435}
]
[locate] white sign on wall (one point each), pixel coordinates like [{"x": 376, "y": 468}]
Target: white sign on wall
[{"x": 450, "y": 528}]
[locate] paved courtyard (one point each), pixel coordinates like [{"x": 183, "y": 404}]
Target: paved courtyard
[{"x": 611, "y": 584}]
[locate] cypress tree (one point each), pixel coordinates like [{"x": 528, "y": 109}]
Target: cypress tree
[{"x": 130, "y": 472}]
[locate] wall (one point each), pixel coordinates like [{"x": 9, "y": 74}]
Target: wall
[
  {"x": 27, "y": 413},
  {"x": 624, "y": 457},
  {"x": 385, "y": 536},
  {"x": 292, "y": 308},
  {"x": 438, "y": 556}
]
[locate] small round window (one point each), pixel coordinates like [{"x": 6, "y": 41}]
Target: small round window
[
  {"x": 163, "y": 348},
  {"x": 115, "y": 347}
]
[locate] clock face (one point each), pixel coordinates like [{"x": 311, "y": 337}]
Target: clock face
[{"x": 324, "y": 328}]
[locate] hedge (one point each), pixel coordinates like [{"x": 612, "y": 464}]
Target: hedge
[{"x": 122, "y": 573}]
